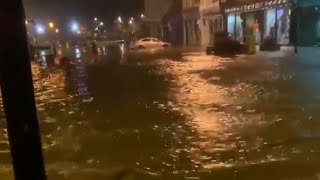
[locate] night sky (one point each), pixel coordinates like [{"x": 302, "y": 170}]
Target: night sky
[{"x": 84, "y": 10}]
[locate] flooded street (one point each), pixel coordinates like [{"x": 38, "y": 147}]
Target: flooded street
[{"x": 178, "y": 115}]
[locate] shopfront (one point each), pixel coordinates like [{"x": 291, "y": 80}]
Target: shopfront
[
  {"x": 261, "y": 19},
  {"x": 309, "y": 23}
]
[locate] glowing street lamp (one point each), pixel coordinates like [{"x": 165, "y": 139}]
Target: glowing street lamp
[
  {"x": 142, "y": 16},
  {"x": 51, "y": 25},
  {"x": 119, "y": 19},
  {"x": 57, "y": 31},
  {"x": 95, "y": 19},
  {"x": 101, "y": 23},
  {"x": 74, "y": 27},
  {"x": 40, "y": 29}
]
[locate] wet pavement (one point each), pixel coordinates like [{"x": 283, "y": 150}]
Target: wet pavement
[{"x": 178, "y": 115}]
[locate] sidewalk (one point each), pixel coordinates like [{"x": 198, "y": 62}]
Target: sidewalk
[{"x": 308, "y": 56}]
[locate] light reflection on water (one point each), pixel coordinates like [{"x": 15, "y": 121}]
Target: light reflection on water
[{"x": 209, "y": 119}]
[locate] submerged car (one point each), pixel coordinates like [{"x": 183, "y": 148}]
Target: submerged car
[
  {"x": 149, "y": 42},
  {"x": 224, "y": 45}
]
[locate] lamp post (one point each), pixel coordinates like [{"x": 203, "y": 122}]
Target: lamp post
[{"x": 294, "y": 27}]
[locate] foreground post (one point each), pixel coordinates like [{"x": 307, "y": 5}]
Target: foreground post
[{"x": 18, "y": 94}]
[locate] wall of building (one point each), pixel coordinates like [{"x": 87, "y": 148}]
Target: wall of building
[
  {"x": 172, "y": 23},
  {"x": 211, "y": 20},
  {"x": 309, "y": 26},
  {"x": 154, "y": 12},
  {"x": 186, "y": 4},
  {"x": 191, "y": 22}
]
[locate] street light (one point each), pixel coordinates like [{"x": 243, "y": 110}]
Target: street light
[
  {"x": 74, "y": 27},
  {"x": 119, "y": 19},
  {"x": 57, "y": 31},
  {"x": 95, "y": 19},
  {"x": 142, "y": 16},
  {"x": 51, "y": 25},
  {"x": 40, "y": 29},
  {"x": 101, "y": 23}
]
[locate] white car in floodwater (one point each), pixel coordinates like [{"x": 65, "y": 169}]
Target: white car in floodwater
[{"x": 149, "y": 43}]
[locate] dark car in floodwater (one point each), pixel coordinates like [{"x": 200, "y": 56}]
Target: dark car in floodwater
[{"x": 223, "y": 44}]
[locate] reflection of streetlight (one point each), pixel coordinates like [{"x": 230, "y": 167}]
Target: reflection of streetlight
[
  {"x": 131, "y": 21},
  {"x": 78, "y": 32},
  {"x": 26, "y": 22}
]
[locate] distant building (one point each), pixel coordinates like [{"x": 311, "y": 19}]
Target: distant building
[
  {"x": 172, "y": 23},
  {"x": 154, "y": 12},
  {"x": 163, "y": 18},
  {"x": 211, "y": 20},
  {"x": 191, "y": 22}
]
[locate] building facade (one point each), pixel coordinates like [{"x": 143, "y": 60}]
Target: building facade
[
  {"x": 308, "y": 21},
  {"x": 191, "y": 22},
  {"x": 260, "y": 18},
  {"x": 211, "y": 20},
  {"x": 163, "y": 18},
  {"x": 172, "y": 23},
  {"x": 155, "y": 10}
]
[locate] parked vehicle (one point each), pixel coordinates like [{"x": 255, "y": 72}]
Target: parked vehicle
[
  {"x": 269, "y": 44},
  {"x": 147, "y": 43},
  {"x": 224, "y": 45}
]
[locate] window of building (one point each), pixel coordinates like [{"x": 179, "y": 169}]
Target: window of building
[
  {"x": 239, "y": 28},
  {"x": 270, "y": 23},
  {"x": 231, "y": 24},
  {"x": 283, "y": 20}
]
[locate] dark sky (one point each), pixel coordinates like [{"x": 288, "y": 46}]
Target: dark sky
[{"x": 82, "y": 9}]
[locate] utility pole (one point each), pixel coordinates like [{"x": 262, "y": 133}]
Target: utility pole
[
  {"x": 294, "y": 27},
  {"x": 18, "y": 94}
]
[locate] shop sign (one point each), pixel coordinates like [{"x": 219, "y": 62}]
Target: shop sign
[{"x": 257, "y": 5}]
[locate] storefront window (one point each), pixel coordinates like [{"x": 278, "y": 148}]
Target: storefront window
[
  {"x": 239, "y": 28},
  {"x": 283, "y": 25},
  {"x": 270, "y": 23},
  {"x": 231, "y": 24}
]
